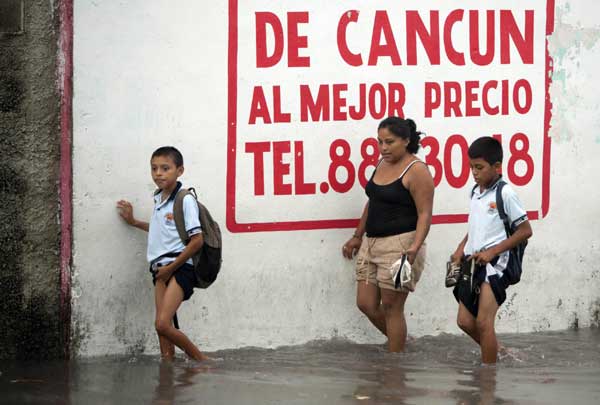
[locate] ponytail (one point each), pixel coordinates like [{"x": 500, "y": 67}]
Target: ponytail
[{"x": 405, "y": 129}]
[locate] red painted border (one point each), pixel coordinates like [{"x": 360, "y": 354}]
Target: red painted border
[
  {"x": 65, "y": 88},
  {"x": 234, "y": 226},
  {"x": 548, "y": 113}
]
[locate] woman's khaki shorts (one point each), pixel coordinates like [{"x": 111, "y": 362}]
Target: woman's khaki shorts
[{"x": 376, "y": 256}]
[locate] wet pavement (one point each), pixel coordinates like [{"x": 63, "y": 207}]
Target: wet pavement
[{"x": 542, "y": 368}]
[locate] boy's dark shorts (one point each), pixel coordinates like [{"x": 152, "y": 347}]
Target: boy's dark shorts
[
  {"x": 470, "y": 296},
  {"x": 185, "y": 277}
]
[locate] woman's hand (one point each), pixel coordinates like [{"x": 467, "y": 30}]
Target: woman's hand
[
  {"x": 411, "y": 254},
  {"x": 126, "y": 211},
  {"x": 350, "y": 248}
]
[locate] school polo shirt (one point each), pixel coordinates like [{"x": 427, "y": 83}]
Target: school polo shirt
[
  {"x": 162, "y": 234},
  {"x": 486, "y": 229}
]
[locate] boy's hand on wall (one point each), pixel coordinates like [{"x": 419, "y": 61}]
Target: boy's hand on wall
[{"x": 126, "y": 211}]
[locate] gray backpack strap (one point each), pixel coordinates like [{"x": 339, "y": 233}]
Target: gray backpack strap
[
  {"x": 473, "y": 190},
  {"x": 500, "y": 207},
  {"x": 178, "y": 215}
]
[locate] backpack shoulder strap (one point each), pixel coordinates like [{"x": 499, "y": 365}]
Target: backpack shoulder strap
[
  {"x": 500, "y": 207},
  {"x": 473, "y": 189},
  {"x": 178, "y": 215}
]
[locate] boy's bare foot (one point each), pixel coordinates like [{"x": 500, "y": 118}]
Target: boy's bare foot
[
  {"x": 167, "y": 357},
  {"x": 201, "y": 357}
]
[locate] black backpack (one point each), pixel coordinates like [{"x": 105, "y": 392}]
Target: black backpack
[
  {"x": 514, "y": 268},
  {"x": 207, "y": 261}
]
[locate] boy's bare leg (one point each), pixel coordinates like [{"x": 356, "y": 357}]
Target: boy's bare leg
[
  {"x": 368, "y": 300},
  {"x": 486, "y": 317},
  {"x": 167, "y": 349},
  {"x": 467, "y": 322},
  {"x": 393, "y": 306},
  {"x": 171, "y": 301}
]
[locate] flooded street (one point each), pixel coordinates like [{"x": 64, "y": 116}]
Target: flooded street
[{"x": 541, "y": 368}]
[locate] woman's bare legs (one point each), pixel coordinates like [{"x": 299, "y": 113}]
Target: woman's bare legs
[
  {"x": 368, "y": 300},
  {"x": 393, "y": 306}
]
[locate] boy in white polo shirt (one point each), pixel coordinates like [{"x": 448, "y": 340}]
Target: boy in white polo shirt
[
  {"x": 170, "y": 260},
  {"x": 487, "y": 247}
]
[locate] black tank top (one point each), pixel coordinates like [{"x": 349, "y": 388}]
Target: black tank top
[{"x": 392, "y": 210}]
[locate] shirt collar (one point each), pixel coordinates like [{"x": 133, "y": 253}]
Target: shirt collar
[
  {"x": 171, "y": 197},
  {"x": 493, "y": 187}
]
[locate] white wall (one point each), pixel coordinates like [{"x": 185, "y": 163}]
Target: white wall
[{"x": 150, "y": 73}]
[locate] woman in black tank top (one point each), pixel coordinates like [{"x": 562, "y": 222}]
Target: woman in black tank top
[{"x": 396, "y": 220}]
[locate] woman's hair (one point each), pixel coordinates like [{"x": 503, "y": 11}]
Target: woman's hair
[{"x": 405, "y": 129}]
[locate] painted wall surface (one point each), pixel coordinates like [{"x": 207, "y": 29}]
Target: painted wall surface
[{"x": 263, "y": 99}]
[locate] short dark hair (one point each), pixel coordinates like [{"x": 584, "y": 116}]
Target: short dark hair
[
  {"x": 171, "y": 152},
  {"x": 405, "y": 129},
  {"x": 486, "y": 148}
]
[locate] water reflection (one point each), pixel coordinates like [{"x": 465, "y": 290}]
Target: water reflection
[
  {"x": 164, "y": 393},
  {"x": 387, "y": 384},
  {"x": 549, "y": 368},
  {"x": 173, "y": 376},
  {"x": 481, "y": 387}
]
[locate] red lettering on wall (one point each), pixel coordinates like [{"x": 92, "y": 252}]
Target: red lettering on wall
[
  {"x": 360, "y": 112},
  {"x": 522, "y": 42},
  {"x": 264, "y": 18},
  {"x": 381, "y": 26},
  {"x": 377, "y": 98},
  {"x": 258, "y": 149},
  {"x": 300, "y": 186},
  {"x": 458, "y": 58},
  {"x": 258, "y": 107},
  {"x": 433, "y": 98},
  {"x": 452, "y": 99},
  {"x": 319, "y": 108},
  {"x": 279, "y": 116},
  {"x": 396, "y": 99},
  {"x": 526, "y": 106},
  {"x": 295, "y": 41},
  {"x": 474, "y": 41},
  {"x": 492, "y": 84},
  {"x": 470, "y": 98},
  {"x": 429, "y": 39},
  {"x": 339, "y": 102},
  {"x": 281, "y": 169},
  {"x": 377, "y": 101},
  {"x": 350, "y": 58}
]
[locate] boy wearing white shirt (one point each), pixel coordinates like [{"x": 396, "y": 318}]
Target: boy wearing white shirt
[
  {"x": 170, "y": 259},
  {"x": 488, "y": 247}
]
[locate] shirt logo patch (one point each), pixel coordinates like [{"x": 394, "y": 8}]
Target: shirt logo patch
[
  {"x": 492, "y": 207},
  {"x": 169, "y": 218}
]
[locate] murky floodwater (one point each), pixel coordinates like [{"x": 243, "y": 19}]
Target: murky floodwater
[{"x": 543, "y": 368}]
